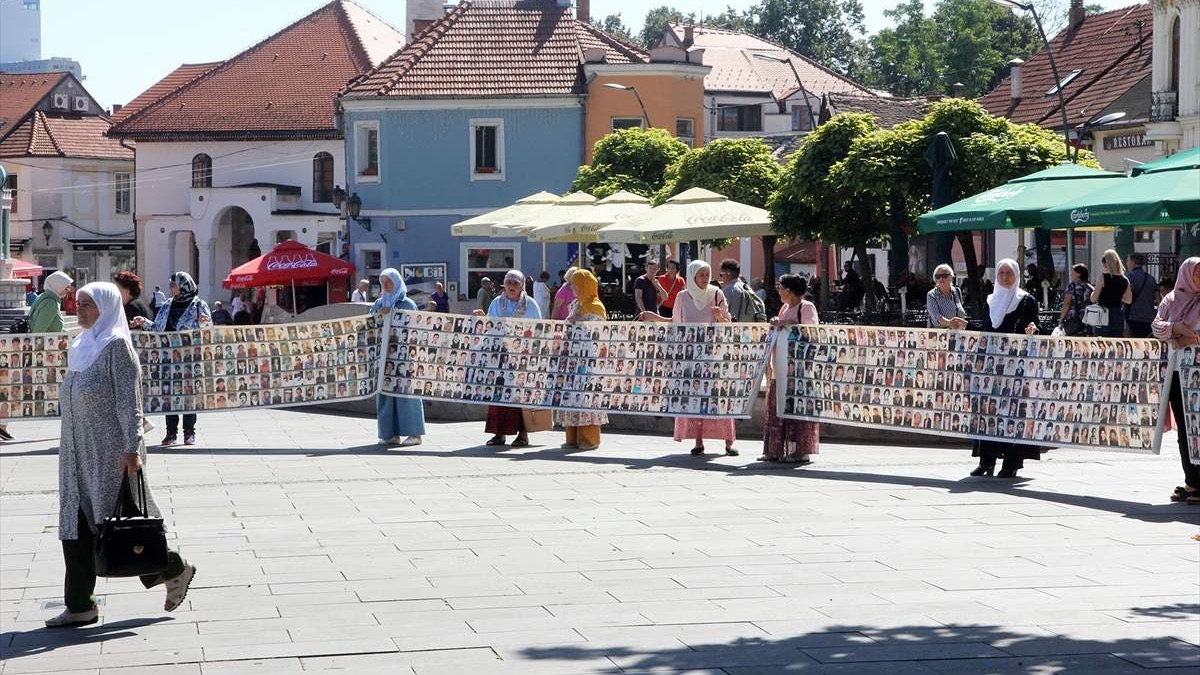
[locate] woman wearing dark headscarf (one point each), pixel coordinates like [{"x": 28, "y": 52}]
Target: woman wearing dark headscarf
[
  {"x": 184, "y": 311},
  {"x": 1177, "y": 322},
  {"x": 1010, "y": 310},
  {"x": 514, "y": 303},
  {"x": 101, "y": 445},
  {"x": 396, "y": 416}
]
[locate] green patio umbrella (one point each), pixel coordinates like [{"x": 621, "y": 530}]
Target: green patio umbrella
[
  {"x": 1163, "y": 197},
  {"x": 1019, "y": 202},
  {"x": 1180, "y": 160}
]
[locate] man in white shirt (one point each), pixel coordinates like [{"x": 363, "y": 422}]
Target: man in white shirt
[
  {"x": 362, "y": 293},
  {"x": 542, "y": 293}
]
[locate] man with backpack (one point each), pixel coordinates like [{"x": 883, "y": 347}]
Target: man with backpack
[{"x": 744, "y": 304}]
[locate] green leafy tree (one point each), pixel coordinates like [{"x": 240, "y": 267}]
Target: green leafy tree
[
  {"x": 808, "y": 203},
  {"x": 613, "y": 25},
  {"x": 887, "y": 166},
  {"x": 656, "y": 22},
  {"x": 743, "y": 170},
  {"x": 823, "y": 30},
  {"x": 906, "y": 59},
  {"x": 630, "y": 159},
  {"x": 977, "y": 41}
]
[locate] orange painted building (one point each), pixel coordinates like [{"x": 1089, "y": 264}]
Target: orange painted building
[{"x": 672, "y": 93}]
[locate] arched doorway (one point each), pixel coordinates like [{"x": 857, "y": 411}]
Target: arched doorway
[{"x": 236, "y": 242}]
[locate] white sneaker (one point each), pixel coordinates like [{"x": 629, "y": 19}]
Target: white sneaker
[
  {"x": 410, "y": 441},
  {"x": 177, "y": 588},
  {"x": 68, "y": 618}
]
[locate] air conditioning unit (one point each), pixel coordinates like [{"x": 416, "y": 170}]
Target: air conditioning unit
[
  {"x": 81, "y": 103},
  {"x": 61, "y": 101}
]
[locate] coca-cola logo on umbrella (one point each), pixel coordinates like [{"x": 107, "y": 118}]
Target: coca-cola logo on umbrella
[{"x": 292, "y": 262}]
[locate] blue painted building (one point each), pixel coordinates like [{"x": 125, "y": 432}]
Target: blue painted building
[{"x": 485, "y": 106}]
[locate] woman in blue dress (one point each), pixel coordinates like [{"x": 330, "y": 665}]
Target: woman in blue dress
[{"x": 397, "y": 416}]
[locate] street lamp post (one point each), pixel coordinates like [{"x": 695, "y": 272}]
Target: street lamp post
[
  {"x": 812, "y": 120},
  {"x": 1058, "y": 83},
  {"x": 630, "y": 87}
]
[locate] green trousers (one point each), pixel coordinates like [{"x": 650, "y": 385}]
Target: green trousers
[{"x": 79, "y": 556}]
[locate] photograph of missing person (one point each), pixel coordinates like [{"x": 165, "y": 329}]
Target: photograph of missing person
[
  {"x": 1189, "y": 380},
  {"x": 227, "y": 367},
  {"x": 1037, "y": 389},
  {"x": 634, "y": 368},
  {"x": 31, "y": 369}
]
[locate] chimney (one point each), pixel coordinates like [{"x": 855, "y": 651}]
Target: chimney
[
  {"x": 117, "y": 108},
  {"x": 956, "y": 89},
  {"x": 1014, "y": 78},
  {"x": 1075, "y": 14},
  {"x": 583, "y": 10},
  {"x": 689, "y": 35}
]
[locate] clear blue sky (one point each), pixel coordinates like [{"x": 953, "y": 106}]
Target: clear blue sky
[{"x": 127, "y": 45}]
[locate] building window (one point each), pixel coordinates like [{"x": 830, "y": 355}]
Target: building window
[
  {"x": 10, "y": 186},
  {"x": 1053, "y": 91},
  {"x": 619, "y": 123},
  {"x": 801, "y": 118},
  {"x": 487, "y": 149},
  {"x": 202, "y": 171},
  {"x": 366, "y": 155},
  {"x": 322, "y": 178},
  {"x": 123, "y": 192},
  {"x": 685, "y": 130},
  {"x": 486, "y": 260},
  {"x": 1173, "y": 73},
  {"x": 740, "y": 118}
]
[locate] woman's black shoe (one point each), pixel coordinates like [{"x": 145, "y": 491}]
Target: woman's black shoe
[
  {"x": 1007, "y": 473},
  {"x": 983, "y": 470},
  {"x": 698, "y": 450}
]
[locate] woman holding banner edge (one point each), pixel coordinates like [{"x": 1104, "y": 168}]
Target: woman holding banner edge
[
  {"x": 785, "y": 440},
  {"x": 397, "y": 416},
  {"x": 1177, "y": 322},
  {"x": 1010, "y": 310},
  {"x": 583, "y": 428},
  {"x": 513, "y": 302},
  {"x": 700, "y": 302}
]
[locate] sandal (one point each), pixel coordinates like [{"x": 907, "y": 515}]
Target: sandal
[
  {"x": 495, "y": 440},
  {"x": 1180, "y": 494},
  {"x": 698, "y": 450},
  {"x": 522, "y": 441},
  {"x": 1193, "y": 498}
]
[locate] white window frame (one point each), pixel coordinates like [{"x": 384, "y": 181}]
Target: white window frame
[
  {"x": 361, "y": 129},
  {"x": 641, "y": 122},
  {"x": 122, "y": 183},
  {"x": 690, "y": 139},
  {"x": 464, "y": 272},
  {"x": 360, "y": 258},
  {"x": 501, "y": 168}
]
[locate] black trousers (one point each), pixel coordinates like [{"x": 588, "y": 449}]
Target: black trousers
[
  {"x": 79, "y": 585},
  {"x": 189, "y": 424},
  {"x": 1191, "y": 472},
  {"x": 1138, "y": 329}
]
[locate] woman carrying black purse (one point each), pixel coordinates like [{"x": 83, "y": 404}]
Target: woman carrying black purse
[{"x": 101, "y": 446}]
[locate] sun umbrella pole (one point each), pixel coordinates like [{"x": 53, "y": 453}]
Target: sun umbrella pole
[
  {"x": 294, "y": 297},
  {"x": 543, "y": 255}
]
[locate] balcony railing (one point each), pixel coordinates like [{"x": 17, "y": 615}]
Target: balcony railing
[{"x": 1164, "y": 106}]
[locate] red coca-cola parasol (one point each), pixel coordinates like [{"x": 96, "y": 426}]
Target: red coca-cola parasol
[
  {"x": 24, "y": 270},
  {"x": 288, "y": 263}
]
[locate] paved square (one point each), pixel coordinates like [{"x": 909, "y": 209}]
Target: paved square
[{"x": 319, "y": 552}]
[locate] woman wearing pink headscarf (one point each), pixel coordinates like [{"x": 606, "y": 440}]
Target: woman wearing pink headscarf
[{"x": 1177, "y": 322}]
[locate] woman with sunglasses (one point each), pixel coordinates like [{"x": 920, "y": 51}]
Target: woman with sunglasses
[{"x": 944, "y": 301}]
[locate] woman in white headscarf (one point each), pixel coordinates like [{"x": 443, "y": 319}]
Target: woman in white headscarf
[
  {"x": 101, "y": 444},
  {"x": 395, "y": 416},
  {"x": 1010, "y": 310},
  {"x": 513, "y": 303},
  {"x": 45, "y": 316},
  {"x": 700, "y": 303}
]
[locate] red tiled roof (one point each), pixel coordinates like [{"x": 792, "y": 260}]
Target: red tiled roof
[
  {"x": 283, "y": 87},
  {"x": 889, "y": 111},
  {"x": 488, "y": 48},
  {"x": 1113, "y": 51},
  {"x": 175, "y": 79},
  {"x": 735, "y": 68},
  {"x": 42, "y": 135},
  {"x": 20, "y": 92}
]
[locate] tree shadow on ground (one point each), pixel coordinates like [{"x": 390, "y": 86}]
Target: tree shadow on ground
[
  {"x": 18, "y": 644},
  {"x": 862, "y": 649}
]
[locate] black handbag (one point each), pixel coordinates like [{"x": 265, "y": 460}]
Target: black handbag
[
  {"x": 131, "y": 546},
  {"x": 19, "y": 326}
]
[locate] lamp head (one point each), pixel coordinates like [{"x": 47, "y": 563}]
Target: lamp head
[
  {"x": 1106, "y": 119},
  {"x": 1012, "y": 4},
  {"x": 614, "y": 85}
]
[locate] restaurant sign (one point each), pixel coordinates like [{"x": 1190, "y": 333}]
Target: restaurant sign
[{"x": 1127, "y": 141}]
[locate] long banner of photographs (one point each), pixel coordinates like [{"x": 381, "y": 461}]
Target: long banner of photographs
[
  {"x": 702, "y": 370},
  {"x": 1037, "y": 390},
  {"x": 211, "y": 369},
  {"x": 230, "y": 367},
  {"x": 1189, "y": 381}
]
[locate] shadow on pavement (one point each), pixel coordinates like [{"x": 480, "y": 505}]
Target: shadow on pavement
[
  {"x": 44, "y": 640},
  {"x": 896, "y": 650}
]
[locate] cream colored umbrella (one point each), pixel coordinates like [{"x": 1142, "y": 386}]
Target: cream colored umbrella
[
  {"x": 566, "y": 207},
  {"x": 481, "y": 225},
  {"x": 695, "y": 214},
  {"x": 582, "y": 225}
]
